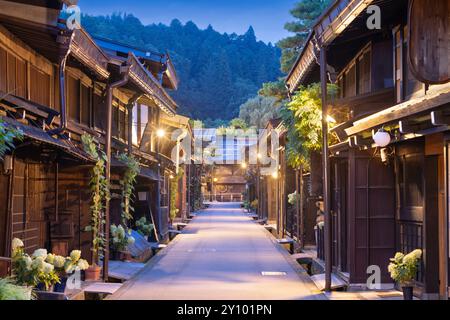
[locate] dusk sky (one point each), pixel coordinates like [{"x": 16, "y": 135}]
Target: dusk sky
[{"x": 266, "y": 16}]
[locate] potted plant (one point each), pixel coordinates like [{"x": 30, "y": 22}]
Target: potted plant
[
  {"x": 99, "y": 187},
  {"x": 120, "y": 239},
  {"x": 32, "y": 270},
  {"x": 144, "y": 228},
  {"x": 403, "y": 269},
  {"x": 66, "y": 266}
]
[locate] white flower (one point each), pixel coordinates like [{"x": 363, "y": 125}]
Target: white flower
[
  {"x": 83, "y": 264},
  {"x": 42, "y": 253},
  {"x": 38, "y": 263},
  {"x": 131, "y": 240},
  {"x": 121, "y": 231},
  {"x": 113, "y": 229},
  {"x": 75, "y": 255},
  {"x": 417, "y": 254},
  {"x": 59, "y": 262},
  {"x": 16, "y": 244},
  {"x": 50, "y": 258},
  {"x": 28, "y": 262},
  {"x": 48, "y": 268}
]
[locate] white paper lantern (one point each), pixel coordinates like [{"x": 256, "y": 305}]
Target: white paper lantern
[{"x": 382, "y": 138}]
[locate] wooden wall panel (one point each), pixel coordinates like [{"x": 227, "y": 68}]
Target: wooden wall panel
[
  {"x": 3, "y": 70},
  {"x": 4, "y": 186},
  {"x": 40, "y": 84}
]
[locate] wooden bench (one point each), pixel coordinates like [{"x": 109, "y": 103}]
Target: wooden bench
[
  {"x": 123, "y": 271},
  {"x": 289, "y": 242},
  {"x": 99, "y": 290}
]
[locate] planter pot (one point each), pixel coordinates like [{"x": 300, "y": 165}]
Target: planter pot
[
  {"x": 41, "y": 287},
  {"x": 93, "y": 273},
  {"x": 61, "y": 287},
  {"x": 408, "y": 293}
]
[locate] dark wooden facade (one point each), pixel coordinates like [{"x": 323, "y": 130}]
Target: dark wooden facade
[
  {"x": 45, "y": 192},
  {"x": 398, "y": 202}
]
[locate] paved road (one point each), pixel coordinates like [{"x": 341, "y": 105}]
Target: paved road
[{"x": 220, "y": 256}]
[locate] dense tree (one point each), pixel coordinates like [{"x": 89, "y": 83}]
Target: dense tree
[
  {"x": 257, "y": 111},
  {"x": 276, "y": 89},
  {"x": 218, "y": 72},
  {"x": 305, "y": 13}
]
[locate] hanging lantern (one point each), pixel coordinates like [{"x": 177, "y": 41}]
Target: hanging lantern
[{"x": 382, "y": 138}]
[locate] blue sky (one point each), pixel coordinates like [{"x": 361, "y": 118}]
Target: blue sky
[{"x": 266, "y": 16}]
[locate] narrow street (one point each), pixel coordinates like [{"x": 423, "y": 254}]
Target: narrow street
[{"x": 221, "y": 255}]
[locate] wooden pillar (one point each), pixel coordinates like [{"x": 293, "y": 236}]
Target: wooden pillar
[{"x": 326, "y": 169}]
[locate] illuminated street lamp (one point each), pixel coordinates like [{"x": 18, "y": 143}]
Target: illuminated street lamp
[
  {"x": 382, "y": 138},
  {"x": 160, "y": 133},
  {"x": 244, "y": 165},
  {"x": 330, "y": 119},
  {"x": 275, "y": 175}
]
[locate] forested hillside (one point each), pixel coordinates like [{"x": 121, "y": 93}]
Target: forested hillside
[{"x": 218, "y": 72}]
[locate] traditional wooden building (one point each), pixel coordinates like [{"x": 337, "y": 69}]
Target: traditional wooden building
[
  {"x": 391, "y": 196},
  {"x": 57, "y": 84}
]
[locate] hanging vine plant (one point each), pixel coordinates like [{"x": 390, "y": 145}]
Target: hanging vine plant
[
  {"x": 7, "y": 137},
  {"x": 173, "y": 194},
  {"x": 303, "y": 118},
  {"x": 127, "y": 183},
  {"x": 100, "y": 195}
]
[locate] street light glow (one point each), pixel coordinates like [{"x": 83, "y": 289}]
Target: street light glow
[
  {"x": 160, "y": 133},
  {"x": 330, "y": 119},
  {"x": 275, "y": 175},
  {"x": 244, "y": 165}
]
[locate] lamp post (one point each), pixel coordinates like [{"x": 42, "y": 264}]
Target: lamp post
[{"x": 326, "y": 169}]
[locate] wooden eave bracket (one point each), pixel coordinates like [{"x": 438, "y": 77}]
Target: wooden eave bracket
[
  {"x": 359, "y": 142},
  {"x": 440, "y": 118}
]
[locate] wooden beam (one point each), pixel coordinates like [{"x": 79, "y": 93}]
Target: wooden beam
[
  {"x": 400, "y": 111},
  {"x": 410, "y": 126},
  {"x": 36, "y": 14}
]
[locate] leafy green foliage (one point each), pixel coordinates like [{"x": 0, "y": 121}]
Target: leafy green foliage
[
  {"x": 11, "y": 291},
  {"x": 305, "y": 13},
  {"x": 7, "y": 137},
  {"x": 276, "y": 89},
  {"x": 120, "y": 239},
  {"x": 143, "y": 227},
  {"x": 257, "y": 111},
  {"x": 238, "y": 123},
  {"x": 127, "y": 183},
  {"x": 173, "y": 194},
  {"x": 303, "y": 118},
  {"x": 218, "y": 72},
  {"x": 100, "y": 195},
  {"x": 403, "y": 268}
]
